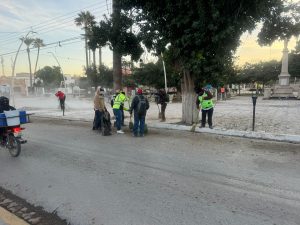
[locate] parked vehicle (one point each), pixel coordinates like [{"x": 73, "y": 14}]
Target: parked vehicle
[
  {"x": 12, "y": 139},
  {"x": 11, "y": 131}
]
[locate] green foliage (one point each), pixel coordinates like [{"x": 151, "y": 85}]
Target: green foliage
[
  {"x": 263, "y": 72},
  {"x": 92, "y": 76},
  {"x": 120, "y": 39},
  {"x": 51, "y": 76},
  {"x": 204, "y": 34},
  {"x": 102, "y": 76},
  {"x": 106, "y": 77},
  {"x": 282, "y": 23},
  {"x": 83, "y": 83},
  {"x": 152, "y": 75},
  {"x": 294, "y": 62}
]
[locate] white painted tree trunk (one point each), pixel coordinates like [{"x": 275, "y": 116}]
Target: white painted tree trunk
[{"x": 190, "y": 113}]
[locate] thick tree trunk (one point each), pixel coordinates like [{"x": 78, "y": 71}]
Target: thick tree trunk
[
  {"x": 94, "y": 57},
  {"x": 117, "y": 70},
  {"x": 117, "y": 65},
  {"x": 190, "y": 113},
  {"x": 86, "y": 49},
  {"x": 100, "y": 57},
  {"x": 30, "y": 71}
]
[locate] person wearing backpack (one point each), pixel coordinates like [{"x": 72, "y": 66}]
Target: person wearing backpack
[
  {"x": 162, "y": 99},
  {"x": 139, "y": 106}
]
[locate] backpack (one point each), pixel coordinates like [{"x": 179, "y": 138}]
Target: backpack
[
  {"x": 142, "y": 106},
  {"x": 167, "y": 98}
]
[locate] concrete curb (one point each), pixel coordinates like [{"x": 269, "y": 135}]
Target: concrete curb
[
  {"x": 10, "y": 218},
  {"x": 235, "y": 133}
]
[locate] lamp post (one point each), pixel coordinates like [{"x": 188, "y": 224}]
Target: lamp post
[
  {"x": 165, "y": 73},
  {"x": 60, "y": 69},
  {"x": 254, "y": 98},
  {"x": 14, "y": 65}
]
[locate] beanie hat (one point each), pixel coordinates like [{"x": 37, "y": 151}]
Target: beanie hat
[{"x": 139, "y": 91}]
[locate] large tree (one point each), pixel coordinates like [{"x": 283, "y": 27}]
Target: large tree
[
  {"x": 116, "y": 32},
  {"x": 262, "y": 72},
  {"x": 152, "y": 75},
  {"x": 51, "y": 76},
  {"x": 37, "y": 43},
  {"x": 87, "y": 20},
  {"x": 28, "y": 42},
  {"x": 203, "y": 34},
  {"x": 294, "y": 62}
]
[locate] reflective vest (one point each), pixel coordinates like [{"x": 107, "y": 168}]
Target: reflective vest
[
  {"x": 119, "y": 100},
  {"x": 205, "y": 104}
]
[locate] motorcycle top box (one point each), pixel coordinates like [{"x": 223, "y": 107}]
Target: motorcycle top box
[{"x": 11, "y": 130}]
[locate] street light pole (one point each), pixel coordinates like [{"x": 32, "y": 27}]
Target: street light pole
[
  {"x": 165, "y": 73},
  {"x": 60, "y": 69},
  {"x": 14, "y": 65},
  {"x": 254, "y": 98}
]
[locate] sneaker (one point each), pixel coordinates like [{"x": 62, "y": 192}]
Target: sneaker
[
  {"x": 120, "y": 132},
  {"x": 210, "y": 127},
  {"x": 201, "y": 126},
  {"x": 142, "y": 135},
  {"x": 134, "y": 135}
]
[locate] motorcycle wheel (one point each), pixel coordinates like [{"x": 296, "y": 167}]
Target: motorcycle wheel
[{"x": 13, "y": 145}]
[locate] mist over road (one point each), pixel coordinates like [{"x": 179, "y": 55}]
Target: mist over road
[{"x": 167, "y": 177}]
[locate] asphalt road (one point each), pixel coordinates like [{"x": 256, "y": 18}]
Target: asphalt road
[{"x": 167, "y": 177}]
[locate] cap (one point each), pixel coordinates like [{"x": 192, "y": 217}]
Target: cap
[{"x": 139, "y": 91}]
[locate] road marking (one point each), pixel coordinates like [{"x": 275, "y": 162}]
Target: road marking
[{"x": 10, "y": 218}]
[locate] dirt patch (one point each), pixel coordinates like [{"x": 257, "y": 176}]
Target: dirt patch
[{"x": 29, "y": 213}]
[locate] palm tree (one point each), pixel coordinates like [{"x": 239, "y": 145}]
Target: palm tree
[
  {"x": 28, "y": 41},
  {"x": 87, "y": 20},
  {"x": 37, "y": 43}
]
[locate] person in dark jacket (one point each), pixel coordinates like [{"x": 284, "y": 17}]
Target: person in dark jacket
[
  {"x": 139, "y": 106},
  {"x": 162, "y": 98},
  {"x": 4, "y": 104}
]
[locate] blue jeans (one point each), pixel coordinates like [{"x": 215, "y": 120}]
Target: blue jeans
[
  {"x": 118, "y": 115},
  {"x": 139, "y": 124}
]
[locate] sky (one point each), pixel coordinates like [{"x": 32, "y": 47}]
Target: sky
[{"x": 53, "y": 22}]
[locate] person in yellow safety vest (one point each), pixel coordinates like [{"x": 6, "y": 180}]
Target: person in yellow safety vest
[
  {"x": 205, "y": 103},
  {"x": 117, "y": 109}
]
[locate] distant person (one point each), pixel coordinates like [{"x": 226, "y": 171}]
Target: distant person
[
  {"x": 118, "y": 107},
  {"x": 205, "y": 103},
  {"x": 99, "y": 107},
  {"x": 62, "y": 98},
  {"x": 139, "y": 107},
  {"x": 121, "y": 108},
  {"x": 162, "y": 98},
  {"x": 4, "y": 104}
]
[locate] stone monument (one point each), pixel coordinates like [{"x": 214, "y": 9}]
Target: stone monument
[{"x": 283, "y": 89}]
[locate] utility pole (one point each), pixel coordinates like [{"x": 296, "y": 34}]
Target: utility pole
[
  {"x": 165, "y": 73},
  {"x": 2, "y": 62},
  {"x": 117, "y": 65},
  {"x": 14, "y": 66}
]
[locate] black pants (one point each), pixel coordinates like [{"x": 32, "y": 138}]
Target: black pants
[
  {"x": 62, "y": 102},
  {"x": 163, "y": 111},
  {"x": 209, "y": 113},
  {"x": 97, "y": 125}
]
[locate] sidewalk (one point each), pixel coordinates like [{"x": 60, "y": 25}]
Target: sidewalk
[{"x": 277, "y": 120}]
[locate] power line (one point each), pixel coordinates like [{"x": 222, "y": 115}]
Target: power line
[
  {"x": 56, "y": 42},
  {"x": 46, "y": 24}
]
